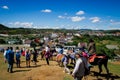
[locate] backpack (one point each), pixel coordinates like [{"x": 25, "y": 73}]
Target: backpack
[
  {"x": 17, "y": 55},
  {"x": 27, "y": 56}
]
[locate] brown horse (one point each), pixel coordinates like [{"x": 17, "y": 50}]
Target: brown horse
[{"x": 99, "y": 59}]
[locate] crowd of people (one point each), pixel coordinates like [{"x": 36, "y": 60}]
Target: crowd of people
[
  {"x": 14, "y": 56},
  {"x": 79, "y": 58}
]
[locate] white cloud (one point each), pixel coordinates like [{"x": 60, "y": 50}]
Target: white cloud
[
  {"x": 5, "y": 7},
  {"x": 46, "y": 10},
  {"x": 77, "y": 18},
  {"x": 16, "y": 23},
  {"x": 95, "y": 19},
  {"x": 22, "y": 24},
  {"x": 80, "y": 13},
  {"x": 114, "y": 22},
  {"x": 61, "y": 17},
  {"x": 27, "y": 24}
]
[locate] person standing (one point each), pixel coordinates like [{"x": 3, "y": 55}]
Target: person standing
[
  {"x": 35, "y": 54},
  {"x": 5, "y": 54},
  {"x": 27, "y": 56},
  {"x": 65, "y": 61},
  {"x": 79, "y": 69},
  {"x": 47, "y": 54},
  {"x": 10, "y": 59},
  {"x": 18, "y": 55}
]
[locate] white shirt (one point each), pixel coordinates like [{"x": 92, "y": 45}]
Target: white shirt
[
  {"x": 79, "y": 68},
  {"x": 4, "y": 53},
  {"x": 47, "y": 49}
]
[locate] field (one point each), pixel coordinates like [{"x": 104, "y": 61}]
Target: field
[{"x": 51, "y": 72}]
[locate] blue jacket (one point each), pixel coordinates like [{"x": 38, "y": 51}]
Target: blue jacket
[
  {"x": 10, "y": 56},
  {"x": 18, "y": 55}
]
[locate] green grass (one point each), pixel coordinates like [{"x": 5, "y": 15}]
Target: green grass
[
  {"x": 114, "y": 68},
  {"x": 68, "y": 77},
  {"x": 3, "y": 65}
]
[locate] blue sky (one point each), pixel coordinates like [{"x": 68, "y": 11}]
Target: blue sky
[{"x": 55, "y": 14}]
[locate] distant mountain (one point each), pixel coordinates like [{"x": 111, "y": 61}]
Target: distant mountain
[
  {"x": 85, "y": 29},
  {"x": 2, "y": 27},
  {"x": 112, "y": 31}
]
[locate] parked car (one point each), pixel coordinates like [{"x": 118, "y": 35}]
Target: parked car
[{"x": 66, "y": 48}]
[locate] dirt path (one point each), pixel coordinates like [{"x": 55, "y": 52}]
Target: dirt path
[
  {"x": 40, "y": 72},
  {"x": 44, "y": 72}
]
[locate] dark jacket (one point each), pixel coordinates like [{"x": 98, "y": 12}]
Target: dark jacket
[{"x": 10, "y": 56}]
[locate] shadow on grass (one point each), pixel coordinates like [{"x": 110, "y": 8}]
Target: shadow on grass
[
  {"x": 33, "y": 66},
  {"x": 21, "y": 70},
  {"x": 109, "y": 76}
]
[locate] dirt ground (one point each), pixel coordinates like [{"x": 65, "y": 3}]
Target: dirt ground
[{"x": 48, "y": 72}]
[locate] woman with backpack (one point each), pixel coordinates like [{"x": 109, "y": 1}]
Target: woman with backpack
[
  {"x": 27, "y": 56},
  {"x": 18, "y": 55}
]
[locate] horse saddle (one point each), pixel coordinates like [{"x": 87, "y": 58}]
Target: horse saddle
[{"x": 92, "y": 57}]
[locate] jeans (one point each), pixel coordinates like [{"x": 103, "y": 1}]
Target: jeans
[
  {"x": 18, "y": 62},
  {"x": 47, "y": 60},
  {"x": 10, "y": 67}
]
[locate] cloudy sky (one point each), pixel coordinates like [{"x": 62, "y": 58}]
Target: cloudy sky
[{"x": 68, "y": 14}]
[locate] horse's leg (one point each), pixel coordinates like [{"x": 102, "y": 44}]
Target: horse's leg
[
  {"x": 105, "y": 65},
  {"x": 107, "y": 70},
  {"x": 100, "y": 68}
]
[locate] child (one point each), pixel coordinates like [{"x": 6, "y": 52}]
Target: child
[
  {"x": 18, "y": 55},
  {"x": 27, "y": 56}
]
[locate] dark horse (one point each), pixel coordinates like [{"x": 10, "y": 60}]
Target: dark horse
[{"x": 99, "y": 59}]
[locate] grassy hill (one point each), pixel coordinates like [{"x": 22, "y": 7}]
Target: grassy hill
[{"x": 2, "y": 27}]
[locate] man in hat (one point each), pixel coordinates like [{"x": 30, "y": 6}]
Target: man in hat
[{"x": 79, "y": 69}]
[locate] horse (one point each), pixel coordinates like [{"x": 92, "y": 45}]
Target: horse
[{"x": 99, "y": 59}]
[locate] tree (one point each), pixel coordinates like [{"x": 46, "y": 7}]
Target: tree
[{"x": 2, "y": 41}]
